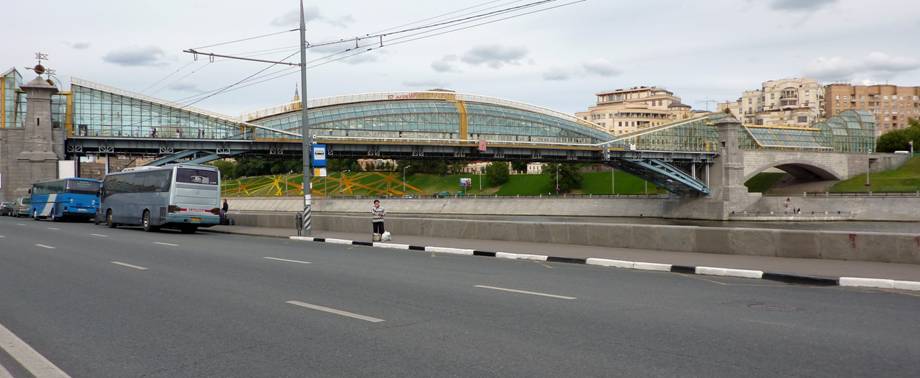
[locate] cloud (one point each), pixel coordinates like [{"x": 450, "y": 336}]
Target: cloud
[
  {"x": 428, "y": 84},
  {"x": 600, "y": 67},
  {"x": 557, "y": 74},
  {"x": 362, "y": 58},
  {"x": 446, "y": 64},
  {"x": 310, "y": 13},
  {"x": 78, "y": 45},
  {"x": 495, "y": 56},
  {"x": 800, "y": 5},
  {"x": 185, "y": 87},
  {"x": 876, "y": 65},
  {"x": 135, "y": 56},
  {"x": 594, "y": 67}
]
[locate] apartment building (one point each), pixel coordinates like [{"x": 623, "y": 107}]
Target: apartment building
[{"x": 623, "y": 111}]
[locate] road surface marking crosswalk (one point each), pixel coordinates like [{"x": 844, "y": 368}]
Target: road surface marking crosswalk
[
  {"x": 44, "y": 246},
  {"x": 129, "y": 265},
  {"x": 336, "y": 312},
  {"x": 99, "y": 235},
  {"x": 5, "y": 373},
  {"x": 166, "y": 244},
  {"x": 525, "y": 292},
  {"x": 30, "y": 359},
  {"x": 287, "y": 260}
]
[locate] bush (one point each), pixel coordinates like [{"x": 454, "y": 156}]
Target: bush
[
  {"x": 899, "y": 140},
  {"x": 570, "y": 177},
  {"x": 497, "y": 173}
]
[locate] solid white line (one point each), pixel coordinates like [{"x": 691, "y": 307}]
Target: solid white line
[
  {"x": 54, "y": 228},
  {"x": 129, "y": 265},
  {"x": 5, "y": 373},
  {"x": 286, "y": 260},
  {"x": 334, "y": 311},
  {"x": 44, "y": 246},
  {"x": 31, "y": 360},
  {"x": 166, "y": 244},
  {"x": 525, "y": 292},
  {"x": 100, "y": 235}
]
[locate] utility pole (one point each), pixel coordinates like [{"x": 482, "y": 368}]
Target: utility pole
[
  {"x": 306, "y": 226},
  {"x": 613, "y": 180}
]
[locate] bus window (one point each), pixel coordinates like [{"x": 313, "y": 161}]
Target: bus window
[
  {"x": 196, "y": 176},
  {"x": 82, "y": 187}
]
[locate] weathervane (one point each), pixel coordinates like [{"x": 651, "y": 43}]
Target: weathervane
[{"x": 39, "y": 69}]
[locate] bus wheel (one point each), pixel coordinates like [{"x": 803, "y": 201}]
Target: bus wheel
[
  {"x": 52, "y": 217},
  {"x": 189, "y": 229},
  {"x": 145, "y": 221},
  {"x": 108, "y": 219}
]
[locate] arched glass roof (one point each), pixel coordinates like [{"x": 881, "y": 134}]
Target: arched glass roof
[{"x": 429, "y": 115}]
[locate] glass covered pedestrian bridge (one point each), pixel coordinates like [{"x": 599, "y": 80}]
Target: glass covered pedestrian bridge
[{"x": 435, "y": 117}]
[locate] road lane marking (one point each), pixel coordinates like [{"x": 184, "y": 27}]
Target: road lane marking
[
  {"x": 20, "y": 224},
  {"x": 100, "y": 235},
  {"x": 286, "y": 260},
  {"x": 1, "y": 236},
  {"x": 336, "y": 312},
  {"x": 525, "y": 292},
  {"x": 5, "y": 373},
  {"x": 44, "y": 246},
  {"x": 166, "y": 244},
  {"x": 54, "y": 228},
  {"x": 129, "y": 265},
  {"x": 31, "y": 360}
]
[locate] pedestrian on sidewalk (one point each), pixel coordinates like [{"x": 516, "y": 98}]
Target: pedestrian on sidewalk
[
  {"x": 378, "y": 213},
  {"x": 223, "y": 213}
]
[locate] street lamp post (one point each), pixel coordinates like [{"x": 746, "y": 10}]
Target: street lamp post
[
  {"x": 613, "y": 180},
  {"x": 868, "y": 169},
  {"x": 305, "y": 130}
]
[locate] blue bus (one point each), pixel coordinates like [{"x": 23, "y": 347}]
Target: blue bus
[
  {"x": 72, "y": 198},
  {"x": 180, "y": 196}
]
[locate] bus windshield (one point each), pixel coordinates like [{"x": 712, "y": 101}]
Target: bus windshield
[
  {"x": 196, "y": 176},
  {"x": 82, "y": 187}
]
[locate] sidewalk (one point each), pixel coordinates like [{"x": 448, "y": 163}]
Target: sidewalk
[{"x": 813, "y": 267}]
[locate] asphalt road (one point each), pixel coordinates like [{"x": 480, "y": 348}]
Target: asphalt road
[{"x": 99, "y": 302}]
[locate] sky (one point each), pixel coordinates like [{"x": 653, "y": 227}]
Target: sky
[{"x": 706, "y": 50}]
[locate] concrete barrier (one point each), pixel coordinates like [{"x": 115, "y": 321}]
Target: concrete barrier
[{"x": 836, "y": 245}]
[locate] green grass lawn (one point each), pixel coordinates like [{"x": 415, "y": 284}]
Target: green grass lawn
[
  {"x": 599, "y": 183},
  {"x": 762, "y": 182},
  {"x": 904, "y": 180}
]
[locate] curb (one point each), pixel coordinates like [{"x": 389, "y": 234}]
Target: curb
[{"x": 796, "y": 279}]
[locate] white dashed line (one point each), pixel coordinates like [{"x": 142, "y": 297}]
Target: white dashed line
[
  {"x": 54, "y": 228},
  {"x": 31, "y": 360},
  {"x": 286, "y": 260},
  {"x": 99, "y": 235},
  {"x": 1, "y": 236},
  {"x": 336, "y": 312},
  {"x": 44, "y": 246},
  {"x": 129, "y": 265},
  {"x": 525, "y": 292},
  {"x": 20, "y": 224},
  {"x": 166, "y": 244}
]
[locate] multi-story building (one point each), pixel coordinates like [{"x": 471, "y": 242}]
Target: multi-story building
[
  {"x": 623, "y": 111},
  {"x": 892, "y": 105},
  {"x": 784, "y": 102}
]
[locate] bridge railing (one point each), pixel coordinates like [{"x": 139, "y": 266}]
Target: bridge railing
[{"x": 852, "y": 194}]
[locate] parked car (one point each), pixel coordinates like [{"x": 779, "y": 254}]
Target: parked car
[
  {"x": 24, "y": 206},
  {"x": 7, "y": 208}
]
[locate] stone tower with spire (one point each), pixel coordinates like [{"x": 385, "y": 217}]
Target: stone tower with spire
[{"x": 30, "y": 154}]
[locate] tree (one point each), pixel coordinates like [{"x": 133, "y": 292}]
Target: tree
[
  {"x": 899, "y": 140},
  {"x": 227, "y": 168},
  {"x": 497, "y": 173},
  {"x": 569, "y": 176},
  {"x": 519, "y": 166}
]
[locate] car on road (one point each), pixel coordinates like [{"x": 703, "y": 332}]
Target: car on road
[
  {"x": 7, "y": 208},
  {"x": 23, "y": 206}
]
